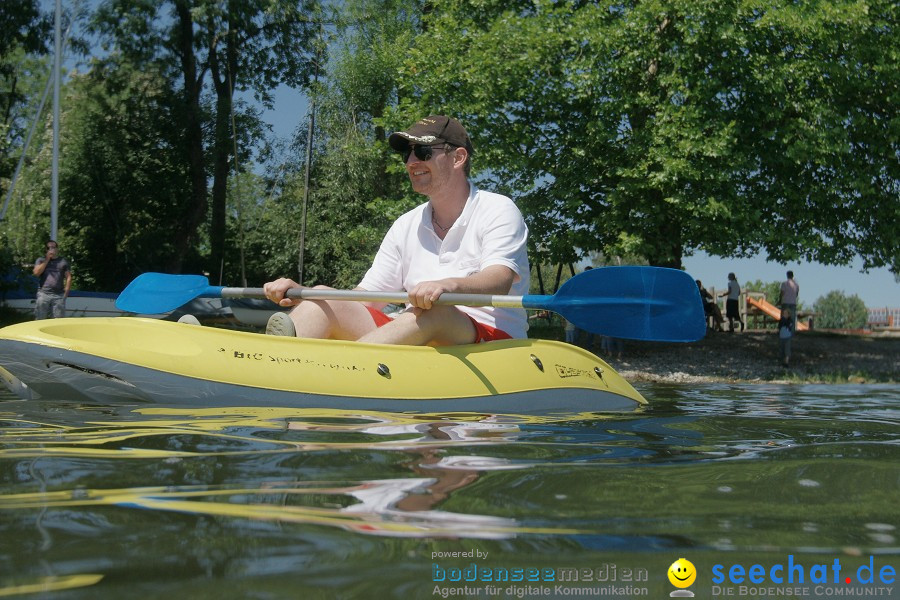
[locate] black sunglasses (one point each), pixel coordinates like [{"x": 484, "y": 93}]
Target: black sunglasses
[{"x": 423, "y": 153}]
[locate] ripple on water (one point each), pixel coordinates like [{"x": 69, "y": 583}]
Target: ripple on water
[{"x": 356, "y": 501}]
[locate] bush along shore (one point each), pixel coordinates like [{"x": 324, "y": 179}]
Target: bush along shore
[{"x": 753, "y": 356}]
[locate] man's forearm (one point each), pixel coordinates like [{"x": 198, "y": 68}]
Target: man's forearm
[{"x": 496, "y": 280}]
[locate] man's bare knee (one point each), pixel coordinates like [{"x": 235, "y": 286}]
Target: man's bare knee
[{"x": 445, "y": 325}]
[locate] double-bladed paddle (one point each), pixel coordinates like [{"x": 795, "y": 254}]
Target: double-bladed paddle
[{"x": 638, "y": 303}]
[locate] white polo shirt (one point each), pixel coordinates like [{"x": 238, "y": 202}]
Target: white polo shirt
[{"x": 490, "y": 231}]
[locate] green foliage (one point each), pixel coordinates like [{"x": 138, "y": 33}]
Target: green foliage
[
  {"x": 22, "y": 28},
  {"x": 264, "y": 220},
  {"x": 24, "y": 34},
  {"x": 552, "y": 276},
  {"x": 599, "y": 259},
  {"x": 654, "y": 128},
  {"x": 637, "y": 130},
  {"x": 835, "y": 310},
  {"x": 346, "y": 223},
  {"x": 772, "y": 290},
  {"x": 20, "y": 95},
  {"x": 207, "y": 50},
  {"x": 123, "y": 180},
  {"x": 26, "y": 225},
  {"x": 358, "y": 185}
]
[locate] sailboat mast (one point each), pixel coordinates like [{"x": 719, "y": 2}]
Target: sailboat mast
[{"x": 57, "y": 68}]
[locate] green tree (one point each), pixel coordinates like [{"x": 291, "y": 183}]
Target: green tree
[
  {"x": 772, "y": 290},
  {"x": 124, "y": 180},
  {"x": 659, "y": 128},
  {"x": 22, "y": 26},
  {"x": 358, "y": 186},
  {"x": 208, "y": 50},
  {"x": 264, "y": 214},
  {"x": 23, "y": 31},
  {"x": 835, "y": 310},
  {"x": 24, "y": 34}
]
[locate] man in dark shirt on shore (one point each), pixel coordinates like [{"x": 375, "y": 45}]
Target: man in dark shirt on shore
[
  {"x": 55, "y": 279},
  {"x": 788, "y": 297}
]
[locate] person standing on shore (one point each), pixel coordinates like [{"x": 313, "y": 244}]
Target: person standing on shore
[
  {"x": 570, "y": 331},
  {"x": 55, "y": 282},
  {"x": 785, "y": 333},
  {"x": 790, "y": 290},
  {"x": 732, "y": 311}
]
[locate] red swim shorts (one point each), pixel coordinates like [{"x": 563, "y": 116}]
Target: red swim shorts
[{"x": 483, "y": 333}]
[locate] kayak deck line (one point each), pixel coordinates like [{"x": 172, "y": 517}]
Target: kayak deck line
[{"x": 123, "y": 358}]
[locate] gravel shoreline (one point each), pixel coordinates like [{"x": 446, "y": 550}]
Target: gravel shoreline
[{"x": 754, "y": 357}]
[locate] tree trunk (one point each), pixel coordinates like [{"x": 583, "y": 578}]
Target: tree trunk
[
  {"x": 663, "y": 238},
  {"x": 223, "y": 80},
  {"x": 195, "y": 212},
  {"x": 221, "y": 156}
]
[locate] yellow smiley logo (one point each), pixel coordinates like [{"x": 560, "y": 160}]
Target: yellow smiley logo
[{"x": 682, "y": 573}]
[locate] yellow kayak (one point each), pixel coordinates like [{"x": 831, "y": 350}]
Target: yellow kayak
[{"x": 135, "y": 359}]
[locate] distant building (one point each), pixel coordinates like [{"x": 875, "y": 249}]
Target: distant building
[{"x": 883, "y": 317}]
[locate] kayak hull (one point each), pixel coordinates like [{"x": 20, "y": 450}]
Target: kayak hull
[{"x": 131, "y": 359}]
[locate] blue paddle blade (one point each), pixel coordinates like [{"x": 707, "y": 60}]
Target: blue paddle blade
[
  {"x": 637, "y": 303},
  {"x": 153, "y": 293}
]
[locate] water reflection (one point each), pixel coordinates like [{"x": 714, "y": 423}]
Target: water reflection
[
  {"x": 351, "y": 497},
  {"x": 170, "y": 438}
]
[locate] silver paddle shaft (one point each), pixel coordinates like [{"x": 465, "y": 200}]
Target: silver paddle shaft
[{"x": 387, "y": 297}]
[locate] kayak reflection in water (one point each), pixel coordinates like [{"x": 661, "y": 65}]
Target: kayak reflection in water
[
  {"x": 415, "y": 501},
  {"x": 463, "y": 240},
  {"x": 411, "y": 506}
]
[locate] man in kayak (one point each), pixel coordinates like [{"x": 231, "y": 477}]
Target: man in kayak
[{"x": 463, "y": 240}]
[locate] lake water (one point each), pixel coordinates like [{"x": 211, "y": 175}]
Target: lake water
[{"x": 769, "y": 491}]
